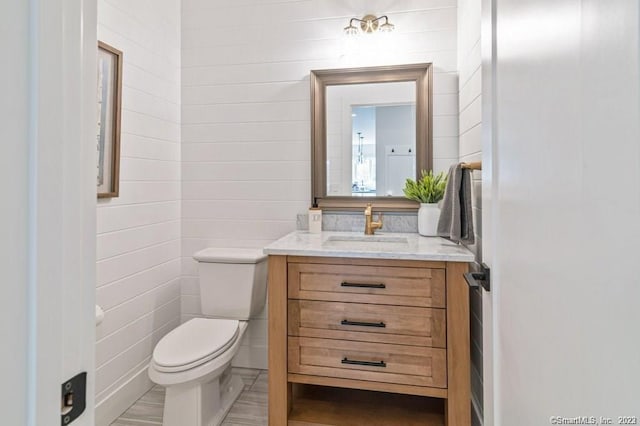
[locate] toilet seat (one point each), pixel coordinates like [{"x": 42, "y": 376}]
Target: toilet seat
[{"x": 194, "y": 343}]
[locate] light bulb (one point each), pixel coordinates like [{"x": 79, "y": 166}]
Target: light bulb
[
  {"x": 350, "y": 30},
  {"x": 386, "y": 27}
]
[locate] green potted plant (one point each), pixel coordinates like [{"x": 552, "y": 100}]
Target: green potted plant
[{"x": 428, "y": 191}]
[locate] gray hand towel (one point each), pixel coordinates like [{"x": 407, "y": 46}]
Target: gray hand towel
[{"x": 456, "y": 215}]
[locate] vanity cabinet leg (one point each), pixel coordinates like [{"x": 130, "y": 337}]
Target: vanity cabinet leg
[
  {"x": 279, "y": 388},
  {"x": 458, "y": 404}
]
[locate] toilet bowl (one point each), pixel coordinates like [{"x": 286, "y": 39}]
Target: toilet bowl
[
  {"x": 193, "y": 361},
  {"x": 200, "y": 389}
]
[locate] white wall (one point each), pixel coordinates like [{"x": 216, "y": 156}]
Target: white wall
[
  {"x": 245, "y": 112},
  {"x": 138, "y": 251},
  {"x": 470, "y": 84},
  {"x": 566, "y": 203}
]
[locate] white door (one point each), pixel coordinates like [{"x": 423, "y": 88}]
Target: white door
[
  {"x": 564, "y": 209},
  {"x": 489, "y": 185},
  {"x": 47, "y": 219}
]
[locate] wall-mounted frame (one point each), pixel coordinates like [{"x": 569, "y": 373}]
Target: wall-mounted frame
[
  {"x": 418, "y": 74},
  {"x": 109, "y": 117}
]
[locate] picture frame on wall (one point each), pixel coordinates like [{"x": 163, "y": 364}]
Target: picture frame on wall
[{"x": 109, "y": 117}]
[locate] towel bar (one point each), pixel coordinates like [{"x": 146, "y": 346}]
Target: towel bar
[{"x": 477, "y": 165}]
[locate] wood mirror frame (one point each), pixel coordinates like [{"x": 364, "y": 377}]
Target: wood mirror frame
[{"x": 320, "y": 79}]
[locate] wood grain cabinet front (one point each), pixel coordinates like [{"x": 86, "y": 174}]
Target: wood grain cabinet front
[
  {"x": 377, "y": 362},
  {"x": 402, "y": 325},
  {"x": 368, "y": 284},
  {"x": 392, "y": 326}
]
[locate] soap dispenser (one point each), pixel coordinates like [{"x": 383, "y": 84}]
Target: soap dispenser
[{"x": 315, "y": 219}]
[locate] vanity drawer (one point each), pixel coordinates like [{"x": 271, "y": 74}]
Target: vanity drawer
[
  {"x": 405, "y": 325},
  {"x": 387, "y": 285},
  {"x": 378, "y": 362}
]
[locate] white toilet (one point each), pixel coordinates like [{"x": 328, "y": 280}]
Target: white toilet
[{"x": 194, "y": 360}]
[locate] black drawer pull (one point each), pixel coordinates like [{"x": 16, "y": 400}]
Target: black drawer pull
[
  {"x": 364, "y": 324},
  {"x": 362, "y": 285},
  {"x": 346, "y": 360}
]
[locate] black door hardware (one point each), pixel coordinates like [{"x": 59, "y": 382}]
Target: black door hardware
[
  {"x": 480, "y": 278},
  {"x": 74, "y": 398}
]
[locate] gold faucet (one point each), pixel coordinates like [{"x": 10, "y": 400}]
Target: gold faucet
[{"x": 369, "y": 225}]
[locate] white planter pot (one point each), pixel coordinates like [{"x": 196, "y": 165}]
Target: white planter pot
[{"x": 428, "y": 217}]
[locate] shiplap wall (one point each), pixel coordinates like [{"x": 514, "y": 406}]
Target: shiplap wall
[
  {"x": 138, "y": 247},
  {"x": 245, "y": 112},
  {"x": 469, "y": 61}
]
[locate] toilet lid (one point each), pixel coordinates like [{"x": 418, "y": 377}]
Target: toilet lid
[
  {"x": 193, "y": 343},
  {"x": 230, "y": 255}
]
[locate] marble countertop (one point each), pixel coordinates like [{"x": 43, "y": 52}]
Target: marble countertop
[{"x": 382, "y": 245}]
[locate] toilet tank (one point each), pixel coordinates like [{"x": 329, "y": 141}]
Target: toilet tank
[{"x": 233, "y": 282}]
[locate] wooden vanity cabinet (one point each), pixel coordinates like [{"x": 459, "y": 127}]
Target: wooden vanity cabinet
[{"x": 396, "y": 326}]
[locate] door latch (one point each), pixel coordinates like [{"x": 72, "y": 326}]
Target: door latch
[{"x": 74, "y": 398}]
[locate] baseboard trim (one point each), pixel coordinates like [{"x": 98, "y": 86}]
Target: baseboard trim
[{"x": 118, "y": 401}]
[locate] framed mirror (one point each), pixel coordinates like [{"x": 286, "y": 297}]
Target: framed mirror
[{"x": 370, "y": 131}]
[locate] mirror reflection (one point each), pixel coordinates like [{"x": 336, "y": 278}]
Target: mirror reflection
[
  {"x": 370, "y": 131},
  {"x": 371, "y": 138}
]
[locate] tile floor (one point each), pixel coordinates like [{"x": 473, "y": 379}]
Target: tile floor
[{"x": 250, "y": 409}]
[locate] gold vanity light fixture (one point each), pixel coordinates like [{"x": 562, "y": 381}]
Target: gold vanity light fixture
[{"x": 369, "y": 24}]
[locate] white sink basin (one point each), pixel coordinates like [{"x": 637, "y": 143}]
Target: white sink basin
[{"x": 366, "y": 242}]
